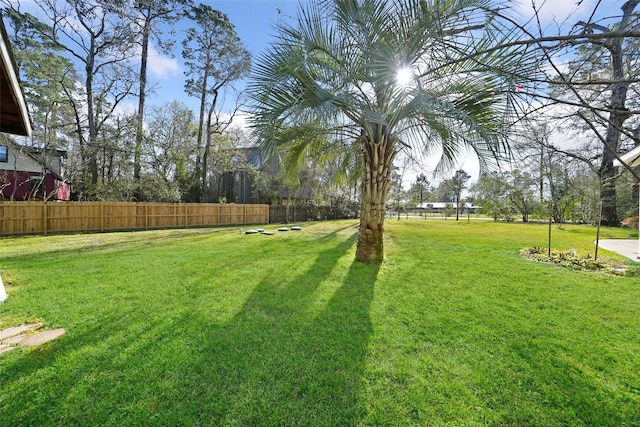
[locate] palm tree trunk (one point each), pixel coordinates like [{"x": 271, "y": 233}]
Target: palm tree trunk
[{"x": 376, "y": 183}]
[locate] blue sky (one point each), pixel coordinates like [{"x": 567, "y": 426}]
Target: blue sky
[{"x": 254, "y": 21}]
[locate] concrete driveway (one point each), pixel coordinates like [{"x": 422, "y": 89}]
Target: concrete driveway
[{"x": 627, "y": 248}]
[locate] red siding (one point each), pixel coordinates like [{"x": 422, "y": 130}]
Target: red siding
[
  {"x": 19, "y": 181},
  {"x": 63, "y": 190}
]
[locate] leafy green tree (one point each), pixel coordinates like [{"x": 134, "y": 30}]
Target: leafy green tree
[
  {"x": 492, "y": 195},
  {"x": 48, "y": 78},
  {"x": 444, "y": 192},
  {"x": 376, "y": 77},
  {"x": 450, "y": 190},
  {"x": 420, "y": 190},
  {"x": 521, "y": 188},
  {"x": 458, "y": 185},
  {"x": 215, "y": 57}
]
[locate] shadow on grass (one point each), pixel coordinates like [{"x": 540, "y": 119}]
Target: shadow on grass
[
  {"x": 100, "y": 242},
  {"x": 293, "y": 354},
  {"x": 337, "y": 231},
  {"x": 276, "y": 363}
]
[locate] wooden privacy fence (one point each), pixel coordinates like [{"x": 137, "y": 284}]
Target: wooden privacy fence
[{"x": 66, "y": 217}]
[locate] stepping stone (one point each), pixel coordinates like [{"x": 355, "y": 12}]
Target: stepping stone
[
  {"x": 5, "y": 349},
  {"x": 268, "y": 233},
  {"x": 42, "y": 337},
  {"x": 296, "y": 228},
  {"x": 283, "y": 229},
  {"x": 17, "y": 330},
  {"x": 14, "y": 339}
]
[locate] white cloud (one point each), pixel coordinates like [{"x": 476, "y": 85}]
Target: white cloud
[
  {"x": 554, "y": 13},
  {"x": 125, "y": 109},
  {"x": 240, "y": 120},
  {"x": 161, "y": 66}
]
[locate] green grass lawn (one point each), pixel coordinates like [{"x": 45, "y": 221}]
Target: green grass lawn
[{"x": 211, "y": 327}]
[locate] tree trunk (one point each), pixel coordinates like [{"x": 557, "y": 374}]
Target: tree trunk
[
  {"x": 146, "y": 32},
  {"x": 619, "y": 113},
  {"x": 617, "y": 116},
  {"x": 205, "y": 161},
  {"x": 376, "y": 183},
  {"x": 92, "y": 143},
  {"x": 197, "y": 173},
  {"x": 608, "y": 189}
]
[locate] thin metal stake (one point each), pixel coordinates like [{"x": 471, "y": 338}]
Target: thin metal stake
[
  {"x": 550, "y": 221},
  {"x": 598, "y": 232}
]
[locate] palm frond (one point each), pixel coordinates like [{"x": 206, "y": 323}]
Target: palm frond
[{"x": 331, "y": 75}]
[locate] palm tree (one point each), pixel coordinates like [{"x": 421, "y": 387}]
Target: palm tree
[{"x": 374, "y": 77}]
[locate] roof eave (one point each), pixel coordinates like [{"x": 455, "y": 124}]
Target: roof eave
[
  {"x": 12, "y": 76},
  {"x": 630, "y": 158}
]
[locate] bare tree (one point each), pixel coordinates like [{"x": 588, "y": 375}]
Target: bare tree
[
  {"x": 592, "y": 89},
  {"x": 92, "y": 33},
  {"x": 170, "y": 146}
]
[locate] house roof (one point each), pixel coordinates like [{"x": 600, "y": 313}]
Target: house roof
[
  {"x": 45, "y": 158},
  {"x": 631, "y": 158},
  {"x": 443, "y": 205},
  {"x": 14, "y": 116}
]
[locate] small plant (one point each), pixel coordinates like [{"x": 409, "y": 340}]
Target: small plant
[
  {"x": 630, "y": 221},
  {"x": 570, "y": 259}
]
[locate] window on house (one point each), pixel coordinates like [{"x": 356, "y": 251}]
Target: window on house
[
  {"x": 35, "y": 184},
  {"x": 4, "y": 153}
]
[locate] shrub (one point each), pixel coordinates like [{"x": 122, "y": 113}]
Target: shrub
[
  {"x": 630, "y": 221},
  {"x": 571, "y": 260}
]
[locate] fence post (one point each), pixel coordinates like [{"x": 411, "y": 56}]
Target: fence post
[
  {"x": 101, "y": 216},
  {"x": 186, "y": 215},
  {"x": 146, "y": 216}
]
